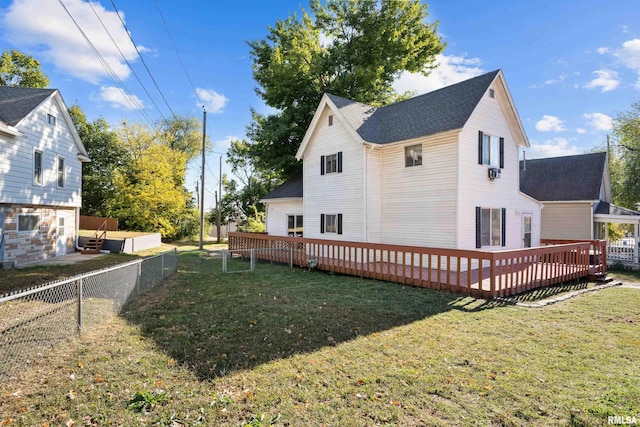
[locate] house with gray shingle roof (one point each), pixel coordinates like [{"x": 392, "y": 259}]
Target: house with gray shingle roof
[
  {"x": 576, "y": 193},
  {"x": 41, "y": 158},
  {"x": 438, "y": 170}
]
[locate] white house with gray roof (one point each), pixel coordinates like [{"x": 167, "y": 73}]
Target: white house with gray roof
[
  {"x": 437, "y": 170},
  {"x": 41, "y": 158}
]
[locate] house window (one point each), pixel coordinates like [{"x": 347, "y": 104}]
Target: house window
[
  {"x": 294, "y": 225},
  {"x": 492, "y": 93},
  {"x": 28, "y": 222},
  {"x": 490, "y": 227},
  {"x": 490, "y": 150},
  {"x": 37, "y": 167},
  {"x": 331, "y": 120},
  {"x": 51, "y": 119},
  {"x": 60, "y": 172},
  {"x": 331, "y": 223},
  {"x": 413, "y": 155},
  {"x": 331, "y": 163}
]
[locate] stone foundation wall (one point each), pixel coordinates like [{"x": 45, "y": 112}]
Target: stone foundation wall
[{"x": 26, "y": 246}]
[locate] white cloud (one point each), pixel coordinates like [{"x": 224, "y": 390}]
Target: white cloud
[
  {"x": 602, "y": 50},
  {"x": 117, "y": 98},
  {"x": 599, "y": 121},
  {"x": 451, "y": 69},
  {"x": 44, "y": 25},
  {"x": 629, "y": 56},
  {"x": 606, "y": 80},
  {"x": 554, "y": 147},
  {"x": 549, "y": 82},
  {"x": 224, "y": 144},
  {"x": 550, "y": 124},
  {"x": 213, "y": 101},
  {"x": 581, "y": 131}
]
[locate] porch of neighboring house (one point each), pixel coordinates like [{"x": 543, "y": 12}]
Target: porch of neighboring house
[
  {"x": 477, "y": 273},
  {"x": 625, "y": 250}
]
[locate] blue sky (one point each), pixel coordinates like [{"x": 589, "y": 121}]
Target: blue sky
[{"x": 571, "y": 66}]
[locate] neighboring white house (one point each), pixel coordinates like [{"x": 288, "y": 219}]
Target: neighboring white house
[
  {"x": 437, "y": 170},
  {"x": 41, "y": 159}
]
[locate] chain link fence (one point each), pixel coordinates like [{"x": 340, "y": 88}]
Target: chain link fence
[
  {"x": 34, "y": 320},
  {"x": 245, "y": 260}
]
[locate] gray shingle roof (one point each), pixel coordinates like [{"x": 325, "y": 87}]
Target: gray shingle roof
[
  {"x": 563, "y": 178},
  {"x": 17, "y": 102},
  {"x": 438, "y": 111},
  {"x": 611, "y": 209},
  {"x": 290, "y": 188}
]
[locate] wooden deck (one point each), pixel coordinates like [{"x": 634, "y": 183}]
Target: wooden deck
[{"x": 503, "y": 273}]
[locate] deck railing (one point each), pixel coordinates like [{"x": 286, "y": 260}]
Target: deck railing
[
  {"x": 478, "y": 273},
  {"x": 597, "y": 252}
]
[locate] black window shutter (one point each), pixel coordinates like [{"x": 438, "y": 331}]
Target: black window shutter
[
  {"x": 339, "y": 161},
  {"x": 478, "y": 227},
  {"x": 321, "y": 165},
  {"x": 480, "y": 147},
  {"x": 321, "y": 223},
  {"x": 504, "y": 227},
  {"x": 501, "y": 153},
  {"x": 339, "y": 223}
]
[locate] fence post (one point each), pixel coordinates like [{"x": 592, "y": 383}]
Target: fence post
[
  {"x": 162, "y": 267},
  {"x": 79, "y": 288},
  {"x": 253, "y": 260},
  {"x": 224, "y": 260},
  {"x": 139, "y": 274},
  {"x": 290, "y": 256}
]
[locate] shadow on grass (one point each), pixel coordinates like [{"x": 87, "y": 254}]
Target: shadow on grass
[{"x": 218, "y": 323}]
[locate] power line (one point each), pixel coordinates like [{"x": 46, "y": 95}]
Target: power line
[
  {"x": 125, "y": 60},
  {"x": 130, "y": 99},
  {"x": 143, "y": 61},
  {"x": 176, "y": 49}
]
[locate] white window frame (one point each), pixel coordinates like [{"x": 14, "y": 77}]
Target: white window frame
[
  {"x": 490, "y": 150},
  {"x": 29, "y": 230},
  {"x": 330, "y": 120},
  {"x": 38, "y": 169},
  {"x": 51, "y": 119},
  {"x": 413, "y": 155},
  {"x": 60, "y": 174},
  {"x": 334, "y": 225},
  {"x": 295, "y": 225},
  {"x": 331, "y": 160},
  {"x": 494, "y": 231}
]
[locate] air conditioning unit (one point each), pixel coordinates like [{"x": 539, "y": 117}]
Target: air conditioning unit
[{"x": 494, "y": 173}]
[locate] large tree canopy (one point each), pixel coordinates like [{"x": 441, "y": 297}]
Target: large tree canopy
[
  {"x": 625, "y": 159},
  {"x": 351, "y": 48},
  {"x": 19, "y": 69}
]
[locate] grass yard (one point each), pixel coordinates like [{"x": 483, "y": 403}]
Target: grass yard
[{"x": 293, "y": 348}]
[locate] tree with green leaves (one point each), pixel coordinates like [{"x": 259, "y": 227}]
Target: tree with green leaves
[
  {"x": 351, "y": 48},
  {"x": 625, "y": 158},
  {"x": 101, "y": 142},
  {"x": 19, "y": 69}
]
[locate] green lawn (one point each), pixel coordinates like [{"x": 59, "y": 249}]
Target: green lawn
[{"x": 318, "y": 349}]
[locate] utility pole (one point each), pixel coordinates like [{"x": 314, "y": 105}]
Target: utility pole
[
  {"x": 204, "y": 137},
  {"x": 198, "y": 194},
  {"x": 219, "y": 204}
]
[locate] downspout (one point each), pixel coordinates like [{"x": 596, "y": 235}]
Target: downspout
[
  {"x": 592, "y": 224},
  {"x": 78, "y": 247},
  {"x": 366, "y": 192}
]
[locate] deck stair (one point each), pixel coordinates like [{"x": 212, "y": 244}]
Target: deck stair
[
  {"x": 96, "y": 243},
  {"x": 599, "y": 277}
]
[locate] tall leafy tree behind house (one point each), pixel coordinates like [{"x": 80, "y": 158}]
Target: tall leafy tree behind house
[
  {"x": 350, "y": 48},
  {"x": 149, "y": 189},
  {"x": 106, "y": 154},
  {"x": 20, "y": 69},
  {"x": 625, "y": 158}
]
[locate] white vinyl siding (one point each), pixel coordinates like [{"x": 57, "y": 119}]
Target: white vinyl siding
[
  {"x": 476, "y": 189},
  {"x": 278, "y": 212},
  {"x": 334, "y": 192},
  {"x": 17, "y": 161},
  {"x": 418, "y": 203}
]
